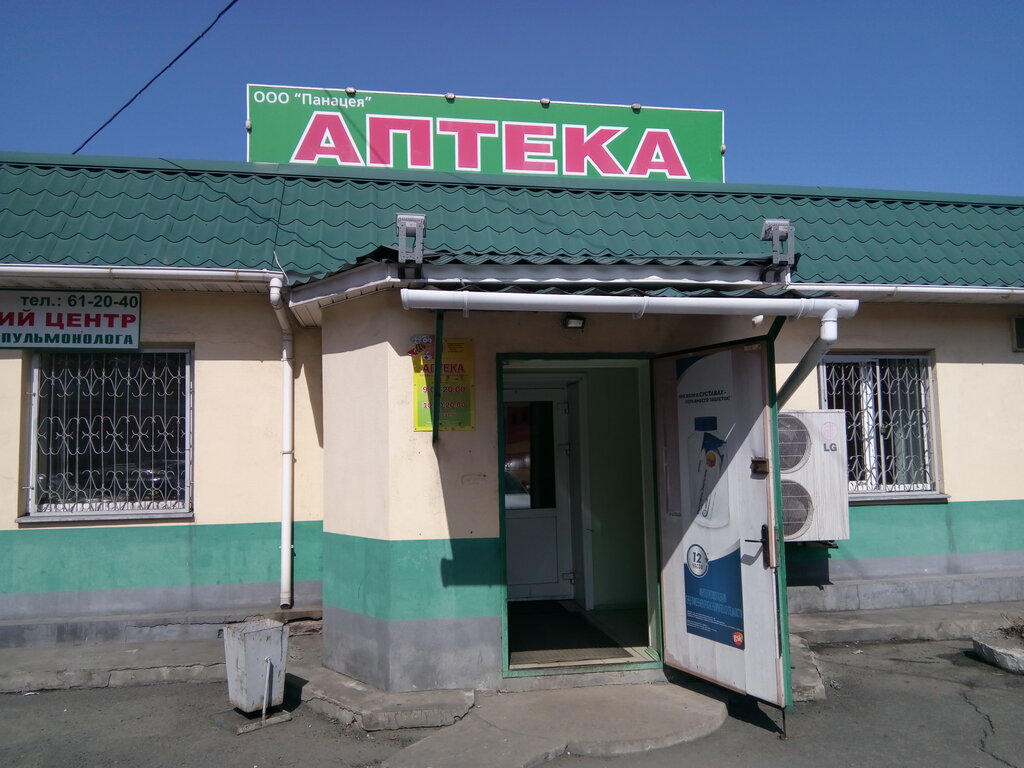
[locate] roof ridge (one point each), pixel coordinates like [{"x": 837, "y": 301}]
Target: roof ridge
[{"x": 566, "y": 186}]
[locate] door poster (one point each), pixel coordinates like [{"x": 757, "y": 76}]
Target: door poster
[
  {"x": 719, "y": 587},
  {"x": 706, "y": 422},
  {"x": 457, "y": 384}
]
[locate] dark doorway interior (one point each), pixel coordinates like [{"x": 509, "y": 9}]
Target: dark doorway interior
[{"x": 555, "y": 632}]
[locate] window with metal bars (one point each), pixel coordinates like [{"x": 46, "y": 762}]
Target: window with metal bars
[
  {"x": 111, "y": 434},
  {"x": 887, "y": 400}
]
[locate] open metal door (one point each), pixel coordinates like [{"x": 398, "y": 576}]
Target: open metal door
[{"x": 719, "y": 546}]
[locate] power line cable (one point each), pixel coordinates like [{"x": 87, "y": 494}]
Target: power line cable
[{"x": 154, "y": 78}]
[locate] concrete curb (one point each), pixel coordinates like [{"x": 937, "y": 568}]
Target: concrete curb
[
  {"x": 808, "y": 684},
  {"x": 936, "y": 622},
  {"x": 347, "y": 700},
  {"x": 420, "y": 709},
  {"x": 335, "y": 696},
  {"x": 1002, "y": 651},
  {"x": 110, "y": 665},
  {"x": 110, "y": 678},
  {"x": 141, "y": 628}
]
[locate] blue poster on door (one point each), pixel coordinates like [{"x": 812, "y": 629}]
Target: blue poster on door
[
  {"x": 719, "y": 580},
  {"x": 714, "y": 596},
  {"x": 707, "y": 428}
]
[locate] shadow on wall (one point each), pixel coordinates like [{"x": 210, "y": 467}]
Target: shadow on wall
[
  {"x": 309, "y": 364},
  {"x": 474, "y": 562}
]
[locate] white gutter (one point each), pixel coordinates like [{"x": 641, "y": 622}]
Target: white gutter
[
  {"x": 277, "y": 301},
  {"x": 170, "y": 274},
  {"x": 637, "y": 306},
  {"x": 829, "y": 310},
  {"x": 937, "y": 293}
]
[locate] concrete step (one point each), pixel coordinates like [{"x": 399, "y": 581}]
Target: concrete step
[
  {"x": 143, "y": 628},
  {"x": 110, "y": 665},
  {"x": 347, "y": 700},
  {"x": 515, "y": 730},
  {"x": 907, "y": 592},
  {"x": 930, "y": 622},
  {"x": 60, "y": 667}
]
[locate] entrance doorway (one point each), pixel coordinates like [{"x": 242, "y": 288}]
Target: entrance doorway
[
  {"x": 578, "y": 515},
  {"x": 538, "y": 540}
]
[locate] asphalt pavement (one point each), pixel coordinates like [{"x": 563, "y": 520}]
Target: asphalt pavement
[
  {"x": 881, "y": 703},
  {"x": 888, "y": 704},
  {"x": 896, "y": 704}
]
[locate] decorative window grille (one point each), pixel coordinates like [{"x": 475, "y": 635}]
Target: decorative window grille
[
  {"x": 887, "y": 400},
  {"x": 112, "y": 434}
]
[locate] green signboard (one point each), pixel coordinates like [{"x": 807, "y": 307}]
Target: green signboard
[{"x": 460, "y": 134}]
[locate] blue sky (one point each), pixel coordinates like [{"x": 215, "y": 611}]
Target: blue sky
[{"x": 908, "y": 94}]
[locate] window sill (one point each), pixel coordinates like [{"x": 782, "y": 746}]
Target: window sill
[
  {"x": 898, "y": 497},
  {"x": 180, "y": 515}
]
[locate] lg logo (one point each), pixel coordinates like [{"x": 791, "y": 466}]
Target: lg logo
[{"x": 829, "y": 434}]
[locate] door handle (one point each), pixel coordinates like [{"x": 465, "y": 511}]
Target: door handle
[{"x": 765, "y": 546}]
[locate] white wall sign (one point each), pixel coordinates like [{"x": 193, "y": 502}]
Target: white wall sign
[{"x": 69, "y": 319}]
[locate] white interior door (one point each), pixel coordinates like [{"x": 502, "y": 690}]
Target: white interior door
[
  {"x": 718, "y": 532},
  {"x": 538, "y": 533}
]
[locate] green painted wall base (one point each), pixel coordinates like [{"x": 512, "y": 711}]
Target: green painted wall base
[
  {"x": 114, "y": 570},
  {"x": 414, "y": 579},
  {"x": 406, "y": 615},
  {"x": 894, "y": 540}
]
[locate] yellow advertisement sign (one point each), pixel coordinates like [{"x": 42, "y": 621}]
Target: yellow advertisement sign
[{"x": 455, "y": 409}]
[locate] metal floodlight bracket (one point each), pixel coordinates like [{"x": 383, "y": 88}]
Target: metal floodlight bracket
[
  {"x": 410, "y": 229},
  {"x": 780, "y": 231}
]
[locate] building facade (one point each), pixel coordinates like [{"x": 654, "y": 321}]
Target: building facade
[{"x": 293, "y": 329}]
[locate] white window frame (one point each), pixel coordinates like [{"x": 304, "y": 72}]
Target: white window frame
[
  {"x": 38, "y": 512},
  {"x": 870, "y": 413}
]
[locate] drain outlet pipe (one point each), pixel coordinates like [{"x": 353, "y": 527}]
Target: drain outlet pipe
[
  {"x": 277, "y": 301},
  {"x": 827, "y": 335}
]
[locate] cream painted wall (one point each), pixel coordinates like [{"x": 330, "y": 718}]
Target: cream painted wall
[
  {"x": 393, "y": 484},
  {"x": 382, "y": 479},
  {"x": 237, "y": 407},
  {"x": 357, "y": 463},
  {"x": 13, "y": 369},
  {"x": 385, "y": 481},
  {"x": 979, "y": 383}
]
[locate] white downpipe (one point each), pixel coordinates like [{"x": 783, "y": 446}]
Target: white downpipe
[
  {"x": 827, "y": 336},
  {"x": 277, "y": 301},
  {"x": 414, "y": 298}
]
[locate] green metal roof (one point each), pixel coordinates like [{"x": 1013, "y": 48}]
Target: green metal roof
[{"x": 315, "y": 221}]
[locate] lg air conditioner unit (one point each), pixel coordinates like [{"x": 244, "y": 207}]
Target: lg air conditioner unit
[{"x": 815, "y": 480}]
